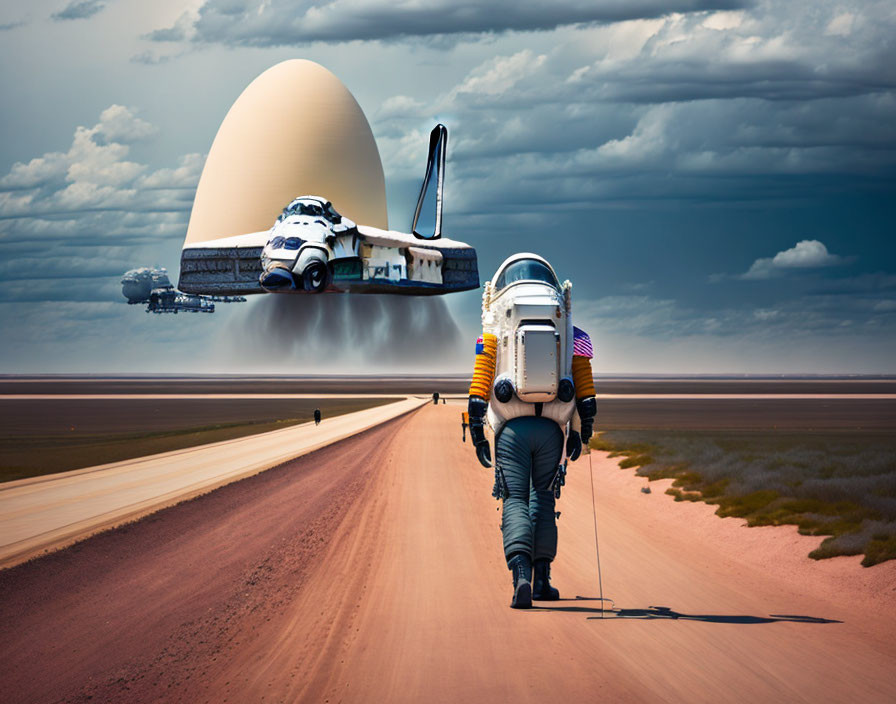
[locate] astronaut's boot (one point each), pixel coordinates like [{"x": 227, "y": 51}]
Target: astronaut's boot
[
  {"x": 521, "y": 567},
  {"x": 541, "y": 584}
]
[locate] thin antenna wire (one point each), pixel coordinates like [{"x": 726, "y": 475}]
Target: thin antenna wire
[{"x": 600, "y": 580}]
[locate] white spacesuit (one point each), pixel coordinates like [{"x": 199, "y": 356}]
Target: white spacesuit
[{"x": 533, "y": 371}]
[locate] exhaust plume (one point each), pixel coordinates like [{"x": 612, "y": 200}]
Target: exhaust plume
[{"x": 307, "y": 334}]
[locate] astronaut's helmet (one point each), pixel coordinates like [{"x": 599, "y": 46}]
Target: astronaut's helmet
[{"x": 524, "y": 267}]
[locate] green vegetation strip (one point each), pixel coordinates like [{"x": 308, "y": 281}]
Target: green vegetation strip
[
  {"x": 836, "y": 484},
  {"x": 28, "y": 455}
]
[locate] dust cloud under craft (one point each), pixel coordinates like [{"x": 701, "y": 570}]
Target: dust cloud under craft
[
  {"x": 312, "y": 248},
  {"x": 152, "y": 287}
]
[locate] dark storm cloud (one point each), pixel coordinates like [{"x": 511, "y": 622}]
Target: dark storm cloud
[
  {"x": 76, "y": 10},
  {"x": 876, "y": 284},
  {"x": 769, "y": 103},
  {"x": 777, "y": 106},
  {"x": 794, "y": 52},
  {"x": 84, "y": 289},
  {"x": 283, "y": 23},
  {"x": 800, "y": 317}
]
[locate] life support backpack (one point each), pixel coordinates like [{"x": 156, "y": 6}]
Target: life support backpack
[{"x": 533, "y": 342}]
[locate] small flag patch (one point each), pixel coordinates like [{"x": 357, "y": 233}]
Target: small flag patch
[
  {"x": 479, "y": 346},
  {"x": 581, "y": 343}
]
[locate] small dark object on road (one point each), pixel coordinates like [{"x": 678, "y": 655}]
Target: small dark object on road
[
  {"x": 645, "y": 489},
  {"x": 317, "y": 416},
  {"x": 435, "y": 398}
]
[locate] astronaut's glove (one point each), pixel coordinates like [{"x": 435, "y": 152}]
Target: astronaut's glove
[
  {"x": 476, "y": 409},
  {"x": 587, "y": 408},
  {"x": 484, "y": 454},
  {"x": 573, "y": 446}
]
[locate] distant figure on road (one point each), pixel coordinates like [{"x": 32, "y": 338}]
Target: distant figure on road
[
  {"x": 529, "y": 386},
  {"x": 435, "y": 398},
  {"x": 317, "y": 416},
  {"x": 464, "y": 421}
]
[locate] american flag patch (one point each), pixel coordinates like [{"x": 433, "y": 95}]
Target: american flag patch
[
  {"x": 479, "y": 346},
  {"x": 581, "y": 343}
]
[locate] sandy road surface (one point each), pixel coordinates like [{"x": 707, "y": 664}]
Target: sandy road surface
[{"x": 372, "y": 571}]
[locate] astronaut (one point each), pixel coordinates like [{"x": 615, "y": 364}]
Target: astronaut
[{"x": 533, "y": 385}]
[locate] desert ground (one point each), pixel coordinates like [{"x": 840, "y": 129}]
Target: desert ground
[
  {"x": 371, "y": 570},
  {"x": 70, "y": 424},
  {"x": 47, "y": 433},
  {"x": 424, "y": 384}
]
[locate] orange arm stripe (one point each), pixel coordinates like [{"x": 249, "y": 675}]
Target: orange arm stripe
[
  {"x": 484, "y": 371},
  {"x": 582, "y": 376}
]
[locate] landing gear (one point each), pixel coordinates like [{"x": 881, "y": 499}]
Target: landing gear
[{"x": 316, "y": 276}]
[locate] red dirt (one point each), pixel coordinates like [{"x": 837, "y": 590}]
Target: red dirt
[{"x": 372, "y": 571}]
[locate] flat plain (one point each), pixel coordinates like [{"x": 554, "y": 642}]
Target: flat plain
[{"x": 47, "y": 435}]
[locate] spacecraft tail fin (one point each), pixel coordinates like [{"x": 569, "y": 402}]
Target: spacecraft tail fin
[{"x": 427, "y": 223}]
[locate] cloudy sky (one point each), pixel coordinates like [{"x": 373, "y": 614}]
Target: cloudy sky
[{"x": 716, "y": 177}]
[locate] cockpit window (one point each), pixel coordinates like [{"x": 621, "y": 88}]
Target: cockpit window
[
  {"x": 300, "y": 208},
  {"x": 526, "y": 270},
  {"x": 306, "y": 208},
  {"x": 292, "y": 243},
  {"x": 331, "y": 214}
]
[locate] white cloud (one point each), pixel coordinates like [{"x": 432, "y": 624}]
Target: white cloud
[
  {"x": 186, "y": 175},
  {"x": 97, "y": 156},
  {"x": 120, "y": 124},
  {"x": 89, "y": 210},
  {"x": 805, "y": 254},
  {"x": 724, "y": 20},
  {"x": 648, "y": 139},
  {"x": 841, "y": 25},
  {"x": 398, "y": 106},
  {"x": 499, "y": 75},
  {"x": 96, "y": 174}
]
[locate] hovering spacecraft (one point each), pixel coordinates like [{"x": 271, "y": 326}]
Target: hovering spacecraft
[
  {"x": 153, "y": 287},
  {"x": 312, "y": 248}
]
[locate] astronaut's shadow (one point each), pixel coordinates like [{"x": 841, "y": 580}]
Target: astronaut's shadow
[{"x": 667, "y": 613}]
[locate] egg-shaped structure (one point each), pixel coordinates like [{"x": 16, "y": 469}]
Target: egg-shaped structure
[{"x": 295, "y": 130}]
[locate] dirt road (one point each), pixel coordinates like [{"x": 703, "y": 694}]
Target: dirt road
[{"x": 372, "y": 571}]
